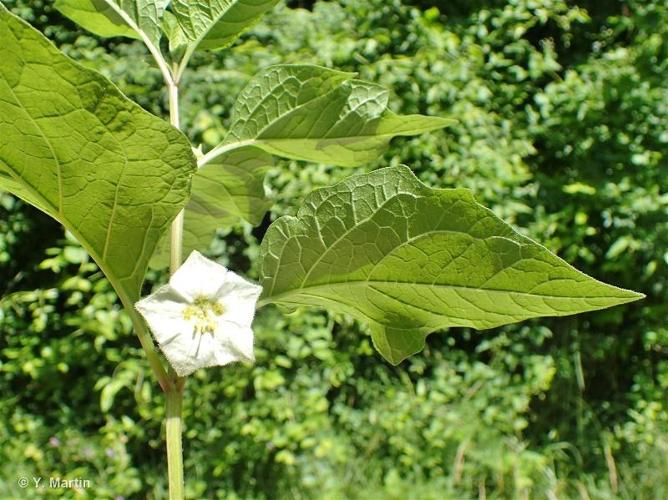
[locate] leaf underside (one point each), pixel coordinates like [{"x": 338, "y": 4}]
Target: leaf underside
[
  {"x": 297, "y": 111},
  {"x": 73, "y": 146},
  {"x": 224, "y": 192},
  {"x": 408, "y": 260}
]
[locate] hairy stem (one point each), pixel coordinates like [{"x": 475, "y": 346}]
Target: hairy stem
[
  {"x": 176, "y": 243},
  {"x": 173, "y": 431},
  {"x": 171, "y": 384},
  {"x": 178, "y": 73}
]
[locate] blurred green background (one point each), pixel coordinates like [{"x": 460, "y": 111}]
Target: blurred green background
[{"x": 563, "y": 131}]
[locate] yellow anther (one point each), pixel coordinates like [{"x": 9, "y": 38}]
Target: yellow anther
[{"x": 205, "y": 313}]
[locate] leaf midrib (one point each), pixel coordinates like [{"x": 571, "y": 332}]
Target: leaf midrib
[
  {"x": 228, "y": 147},
  {"x": 259, "y": 142},
  {"x": 329, "y": 248},
  {"x": 358, "y": 282}
]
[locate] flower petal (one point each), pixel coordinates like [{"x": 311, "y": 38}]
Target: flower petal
[
  {"x": 188, "y": 352},
  {"x": 164, "y": 301},
  {"x": 239, "y": 298},
  {"x": 235, "y": 342},
  {"x": 165, "y": 318},
  {"x": 239, "y": 287},
  {"x": 198, "y": 276}
]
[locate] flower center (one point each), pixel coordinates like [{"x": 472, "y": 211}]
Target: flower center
[{"x": 204, "y": 312}]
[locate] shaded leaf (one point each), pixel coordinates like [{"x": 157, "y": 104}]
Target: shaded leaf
[
  {"x": 225, "y": 191},
  {"x": 175, "y": 35}
]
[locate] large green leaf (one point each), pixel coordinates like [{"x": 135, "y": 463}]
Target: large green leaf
[
  {"x": 117, "y": 18},
  {"x": 225, "y": 191},
  {"x": 316, "y": 114},
  {"x": 72, "y": 145},
  {"x": 215, "y": 24},
  {"x": 409, "y": 260}
]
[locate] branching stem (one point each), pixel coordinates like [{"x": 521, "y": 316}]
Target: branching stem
[{"x": 152, "y": 48}]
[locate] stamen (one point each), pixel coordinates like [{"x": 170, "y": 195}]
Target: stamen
[{"x": 205, "y": 313}]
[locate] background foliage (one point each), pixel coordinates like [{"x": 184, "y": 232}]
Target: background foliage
[{"x": 563, "y": 131}]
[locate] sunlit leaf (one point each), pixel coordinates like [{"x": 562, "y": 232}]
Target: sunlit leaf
[
  {"x": 408, "y": 260},
  {"x": 108, "y": 18},
  {"x": 72, "y": 145},
  {"x": 316, "y": 114},
  {"x": 215, "y": 24}
]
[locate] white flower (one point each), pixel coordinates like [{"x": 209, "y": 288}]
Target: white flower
[{"x": 203, "y": 316}]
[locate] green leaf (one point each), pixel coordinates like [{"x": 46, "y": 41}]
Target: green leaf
[
  {"x": 317, "y": 114},
  {"x": 76, "y": 148},
  {"x": 225, "y": 191},
  {"x": 408, "y": 260},
  {"x": 215, "y": 24},
  {"x": 108, "y": 18},
  {"x": 96, "y": 16},
  {"x": 234, "y": 184},
  {"x": 177, "y": 38}
]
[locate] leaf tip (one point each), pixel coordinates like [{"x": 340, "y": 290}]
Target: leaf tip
[{"x": 631, "y": 296}]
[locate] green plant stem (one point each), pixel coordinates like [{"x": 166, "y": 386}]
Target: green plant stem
[
  {"x": 176, "y": 246},
  {"x": 174, "y": 395},
  {"x": 176, "y": 257},
  {"x": 178, "y": 71},
  {"x": 173, "y": 431}
]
